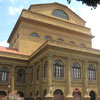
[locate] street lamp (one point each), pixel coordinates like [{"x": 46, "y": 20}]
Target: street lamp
[{"x": 8, "y": 90}]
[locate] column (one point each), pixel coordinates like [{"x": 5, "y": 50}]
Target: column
[
  {"x": 50, "y": 74},
  {"x": 68, "y": 77},
  {"x": 34, "y": 79},
  {"x": 98, "y": 79},
  {"x": 13, "y": 78},
  {"x": 41, "y": 78},
  {"x": 85, "y": 78}
]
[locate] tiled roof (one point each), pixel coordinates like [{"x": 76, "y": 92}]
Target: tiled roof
[{"x": 11, "y": 50}]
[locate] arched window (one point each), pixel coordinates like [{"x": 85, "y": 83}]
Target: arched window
[
  {"x": 91, "y": 72},
  {"x": 21, "y": 76},
  {"x": 60, "y": 14},
  {"x": 76, "y": 72},
  {"x": 35, "y": 35},
  {"x": 38, "y": 72},
  {"x": 60, "y": 39},
  {"x": 58, "y": 68},
  {"x": 45, "y": 69},
  {"x": 72, "y": 42},
  {"x": 82, "y": 44},
  {"x": 4, "y": 73},
  {"x": 47, "y": 37}
]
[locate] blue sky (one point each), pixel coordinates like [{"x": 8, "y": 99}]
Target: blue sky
[{"x": 11, "y": 9}]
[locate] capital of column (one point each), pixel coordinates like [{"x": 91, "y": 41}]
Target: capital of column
[
  {"x": 98, "y": 63},
  {"x": 84, "y": 61},
  {"x": 40, "y": 60},
  {"x": 68, "y": 58},
  {"x": 14, "y": 66},
  {"x": 33, "y": 64},
  {"x": 49, "y": 55}
]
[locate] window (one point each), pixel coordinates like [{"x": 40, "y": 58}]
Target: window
[
  {"x": 72, "y": 42},
  {"x": 60, "y": 14},
  {"x": 91, "y": 72},
  {"x": 44, "y": 93},
  {"x": 45, "y": 69},
  {"x": 21, "y": 76},
  {"x": 4, "y": 72},
  {"x": 58, "y": 68},
  {"x": 47, "y": 37},
  {"x": 38, "y": 72},
  {"x": 60, "y": 39},
  {"x": 76, "y": 72},
  {"x": 35, "y": 35},
  {"x": 82, "y": 45}
]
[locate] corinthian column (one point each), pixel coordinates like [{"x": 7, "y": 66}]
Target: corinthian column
[
  {"x": 13, "y": 78},
  {"x": 50, "y": 74},
  {"x": 68, "y": 78},
  {"x": 85, "y": 78}
]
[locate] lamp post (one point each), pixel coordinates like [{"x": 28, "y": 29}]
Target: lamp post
[
  {"x": 8, "y": 90},
  {"x": 87, "y": 92}
]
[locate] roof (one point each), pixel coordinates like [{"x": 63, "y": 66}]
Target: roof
[{"x": 11, "y": 50}]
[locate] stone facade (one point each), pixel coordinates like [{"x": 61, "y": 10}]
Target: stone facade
[{"x": 37, "y": 37}]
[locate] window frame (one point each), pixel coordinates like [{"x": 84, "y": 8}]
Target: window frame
[
  {"x": 58, "y": 69},
  {"x": 4, "y": 74},
  {"x": 60, "y": 14},
  {"x": 91, "y": 72},
  {"x": 47, "y": 37},
  {"x": 21, "y": 76},
  {"x": 76, "y": 71},
  {"x": 35, "y": 35}
]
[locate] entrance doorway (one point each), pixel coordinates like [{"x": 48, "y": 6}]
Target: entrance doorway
[
  {"x": 92, "y": 95},
  {"x": 58, "y": 94}
]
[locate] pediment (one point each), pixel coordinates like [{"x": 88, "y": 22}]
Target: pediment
[{"x": 47, "y": 9}]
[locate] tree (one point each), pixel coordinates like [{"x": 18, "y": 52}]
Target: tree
[{"x": 90, "y": 3}]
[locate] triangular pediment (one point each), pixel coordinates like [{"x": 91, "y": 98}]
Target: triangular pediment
[{"x": 47, "y": 9}]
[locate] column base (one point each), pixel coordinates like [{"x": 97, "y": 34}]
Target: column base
[
  {"x": 98, "y": 97},
  {"x": 86, "y": 97},
  {"x": 69, "y": 97},
  {"x": 48, "y": 98}
]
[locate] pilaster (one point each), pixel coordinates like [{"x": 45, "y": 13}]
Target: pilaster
[
  {"x": 68, "y": 78},
  {"x": 85, "y": 78},
  {"x": 13, "y": 77},
  {"x": 34, "y": 79},
  {"x": 98, "y": 79},
  {"x": 50, "y": 74},
  {"x": 41, "y": 77}
]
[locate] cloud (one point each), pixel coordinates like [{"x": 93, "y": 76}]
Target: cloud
[
  {"x": 4, "y": 43},
  {"x": 12, "y": 1},
  {"x": 14, "y": 10}
]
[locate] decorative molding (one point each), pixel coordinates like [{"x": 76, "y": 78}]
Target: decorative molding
[{"x": 49, "y": 55}]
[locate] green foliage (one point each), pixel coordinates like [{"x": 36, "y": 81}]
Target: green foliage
[{"x": 90, "y": 3}]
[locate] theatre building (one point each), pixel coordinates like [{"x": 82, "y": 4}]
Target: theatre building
[{"x": 50, "y": 55}]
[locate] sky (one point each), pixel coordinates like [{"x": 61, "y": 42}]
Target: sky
[{"x": 10, "y": 11}]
